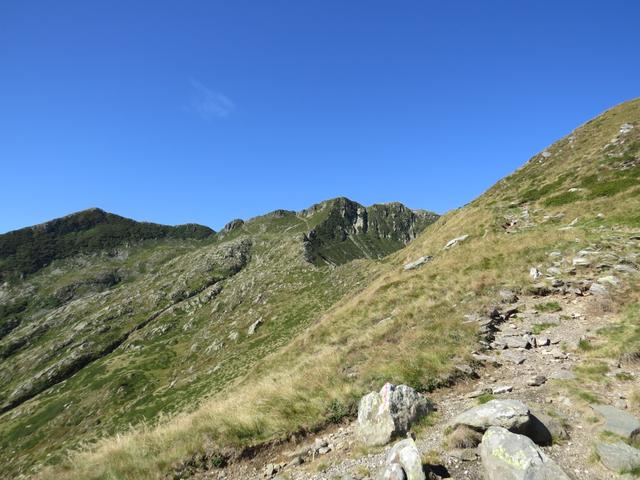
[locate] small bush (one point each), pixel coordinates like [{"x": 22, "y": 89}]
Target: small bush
[
  {"x": 337, "y": 411},
  {"x": 585, "y": 345}
]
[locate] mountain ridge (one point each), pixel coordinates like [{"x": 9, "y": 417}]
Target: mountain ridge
[{"x": 126, "y": 318}]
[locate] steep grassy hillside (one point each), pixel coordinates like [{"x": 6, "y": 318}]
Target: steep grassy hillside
[
  {"x": 408, "y": 325},
  {"x": 27, "y": 250},
  {"x": 107, "y": 338}
]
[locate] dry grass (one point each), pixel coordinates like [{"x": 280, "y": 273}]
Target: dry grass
[{"x": 463, "y": 437}]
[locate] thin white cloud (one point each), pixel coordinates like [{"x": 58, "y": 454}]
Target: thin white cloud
[{"x": 208, "y": 103}]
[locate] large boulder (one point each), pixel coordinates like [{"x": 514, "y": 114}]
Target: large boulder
[
  {"x": 388, "y": 413},
  {"x": 510, "y": 414},
  {"x": 618, "y": 421},
  {"x": 618, "y": 456},
  {"x": 392, "y": 472},
  {"x": 509, "y": 456},
  {"x": 405, "y": 453}
]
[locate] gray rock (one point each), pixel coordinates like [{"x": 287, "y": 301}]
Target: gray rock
[
  {"x": 618, "y": 421},
  {"x": 609, "y": 280},
  {"x": 507, "y": 296},
  {"x": 515, "y": 342},
  {"x": 392, "y": 472},
  {"x": 418, "y": 263},
  {"x": 510, "y": 414},
  {"x": 513, "y": 357},
  {"x": 540, "y": 289},
  {"x": 534, "y": 273},
  {"x": 597, "y": 289},
  {"x": 624, "y": 268},
  {"x": 254, "y": 326},
  {"x": 405, "y": 453},
  {"x": 554, "y": 271},
  {"x": 479, "y": 357},
  {"x": 543, "y": 341},
  {"x": 501, "y": 389},
  {"x": 389, "y": 413},
  {"x": 465, "y": 370},
  {"x": 270, "y": 470},
  {"x": 563, "y": 375},
  {"x": 297, "y": 461},
  {"x": 536, "y": 381},
  {"x": 557, "y": 283},
  {"x": 581, "y": 262},
  {"x": 508, "y": 456},
  {"x": 455, "y": 241},
  {"x": 625, "y": 128},
  {"x": 319, "y": 443},
  {"x": 618, "y": 456}
]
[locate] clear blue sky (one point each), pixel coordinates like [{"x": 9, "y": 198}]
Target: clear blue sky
[{"x": 203, "y": 111}]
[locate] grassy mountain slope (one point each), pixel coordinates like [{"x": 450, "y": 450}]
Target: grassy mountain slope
[
  {"x": 104, "y": 339},
  {"x": 408, "y": 326},
  {"x": 27, "y": 250}
]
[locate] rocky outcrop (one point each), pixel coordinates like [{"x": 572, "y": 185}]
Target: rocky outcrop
[
  {"x": 233, "y": 225},
  {"x": 372, "y": 232},
  {"x": 389, "y": 413},
  {"x": 509, "y": 456}
]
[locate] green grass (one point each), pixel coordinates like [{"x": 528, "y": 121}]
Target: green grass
[
  {"x": 585, "y": 345},
  {"x": 595, "y": 371},
  {"x": 548, "y": 307},
  {"x": 562, "y": 199},
  {"x": 484, "y": 398},
  {"x": 538, "y": 328}
]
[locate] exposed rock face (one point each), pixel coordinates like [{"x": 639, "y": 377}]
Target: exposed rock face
[
  {"x": 374, "y": 231},
  {"x": 389, "y": 413},
  {"x": 509, "y": 414},
  {"x": 508, "y": 456},
  {"x": 233, "y": 225}
]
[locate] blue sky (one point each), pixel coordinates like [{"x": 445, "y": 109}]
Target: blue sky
[{"x": 203, "y": 111}]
